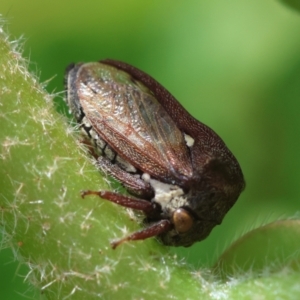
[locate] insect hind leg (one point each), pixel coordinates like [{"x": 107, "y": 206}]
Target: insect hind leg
[{"x": 154, "y": 229}]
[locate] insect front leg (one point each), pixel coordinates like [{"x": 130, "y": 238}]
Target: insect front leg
[
  {"x": 136, "y": 186},
  {"x": 149, "y": 208}
]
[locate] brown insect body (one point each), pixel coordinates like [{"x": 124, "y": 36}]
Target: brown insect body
[{"x": 183, "y": 171}]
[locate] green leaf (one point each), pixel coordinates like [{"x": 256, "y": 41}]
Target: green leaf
[
  {"x": 270, "y": 248},
  {"x": 295, "y": 4}
]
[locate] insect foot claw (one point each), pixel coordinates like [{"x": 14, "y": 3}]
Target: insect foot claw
[
  {"x": 83, "y": 194},
  {"x": 89, "y": 192},
  {"x": 116, "y": 243}
]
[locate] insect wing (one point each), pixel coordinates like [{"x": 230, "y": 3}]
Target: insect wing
[
  {"x": 208, "y": 148},
  {"x": 128, "y": 116}
]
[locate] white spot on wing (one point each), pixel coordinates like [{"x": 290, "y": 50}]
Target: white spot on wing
[{"x": 189, "y": 140}]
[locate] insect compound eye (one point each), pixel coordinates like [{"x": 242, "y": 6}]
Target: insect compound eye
[{"x": 182, "y": 220}]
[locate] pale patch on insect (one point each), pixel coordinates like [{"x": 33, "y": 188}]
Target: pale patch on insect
[
  {"x": 85, "y": 122},
  {"x": 93, "y": 134},
  {"x": 100, "y": 143},
  {"x": 189, "y": 140},
  {"x": 167, "y": 195},
  {"x": 146, "y": 177},
  {"x": 110, "y": 153},
  {"x": 125, "y": 165}
]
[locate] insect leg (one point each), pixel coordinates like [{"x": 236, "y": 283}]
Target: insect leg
[
  {"x": 135, "y": 185},
  {"x": 153, "y": 230},
  {"x": 149, "y": 208}
]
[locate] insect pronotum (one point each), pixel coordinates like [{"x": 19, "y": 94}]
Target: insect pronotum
[{"x": 179, "y": 171}]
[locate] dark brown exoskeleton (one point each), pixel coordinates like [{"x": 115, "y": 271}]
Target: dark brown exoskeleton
[{"x": 184, "y": 176}]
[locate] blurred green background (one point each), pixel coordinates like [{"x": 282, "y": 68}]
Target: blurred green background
[{"x": 234, "y": 65}]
